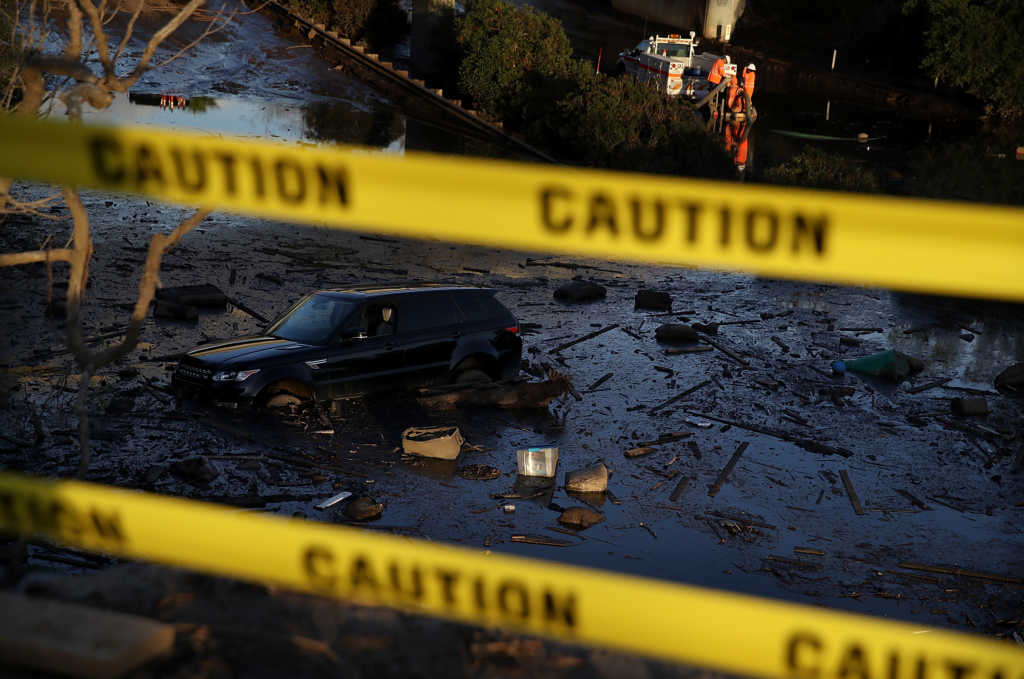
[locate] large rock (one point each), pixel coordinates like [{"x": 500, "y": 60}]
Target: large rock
[
  {"x": 580, "y": 517},
  {"x": 580, "y": 291},
  {"x": 364, "y": 509},
  {"x": 675, "y": 333},
  {"x": 653, "y": 299},
  {"x": 593, "y": 479},
  {"x": 1011, "y": 380}
]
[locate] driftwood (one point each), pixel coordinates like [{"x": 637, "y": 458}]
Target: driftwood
[{"x": 505, "y": 394}]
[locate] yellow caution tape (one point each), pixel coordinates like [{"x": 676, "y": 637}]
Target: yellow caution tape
[
  {"x": 729, "y": 632},
  {"x": 909, "y": 244}
]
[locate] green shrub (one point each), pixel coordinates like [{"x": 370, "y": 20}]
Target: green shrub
[
  {"x": 976, "y": 45},
  {"x": 378, "y": 22},
  {"x": 503, "y": 47},
  {"x": 816, "y": 169}
]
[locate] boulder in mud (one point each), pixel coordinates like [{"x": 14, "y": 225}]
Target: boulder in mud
[
  {"x": 1011, "y": 381},
  {"x": 593, "y": 479},
  {"x": 580, "y": 518},
  {"x": 653, "y": 300},
  {"x": 195, "y": 470},
  {"x": 364, "y": 509},
  {"x": 580, "y": 291},
  {"x": 675, "y": 333}
]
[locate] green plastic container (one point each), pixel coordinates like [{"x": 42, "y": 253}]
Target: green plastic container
[{"x": 894, "y": 365}]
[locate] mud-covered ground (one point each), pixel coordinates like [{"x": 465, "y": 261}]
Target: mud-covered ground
[{"x": 936, "y": 490}]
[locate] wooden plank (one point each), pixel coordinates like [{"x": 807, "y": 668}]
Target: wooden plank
[
  {"x": 851, "y": 493},
  {"x": 717, "y": 485},
  {"x": 74, "y": 640}
]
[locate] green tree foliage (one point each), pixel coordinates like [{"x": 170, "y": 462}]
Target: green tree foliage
[
  {"x": 517, "y": 65},
  {"x": 816, "y": 169},
  {"x": 506, "y": 50},
  {"x": 977, "y": 45}
]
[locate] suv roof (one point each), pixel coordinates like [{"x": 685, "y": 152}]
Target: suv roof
[{"x": 378, "y": 289}]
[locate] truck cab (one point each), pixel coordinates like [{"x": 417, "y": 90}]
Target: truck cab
[{"x": 662, "y": 59}]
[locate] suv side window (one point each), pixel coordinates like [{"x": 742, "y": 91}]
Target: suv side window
[
  {"x": 428, "y": 311},
  {"x": 375, "y": 319},
  {"x": 478, "y": 305}
]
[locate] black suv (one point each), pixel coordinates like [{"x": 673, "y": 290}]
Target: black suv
[{"x": 351, "y": 341}]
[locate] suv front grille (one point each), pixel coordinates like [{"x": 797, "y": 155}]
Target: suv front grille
[{"x": 194, "y": 373}]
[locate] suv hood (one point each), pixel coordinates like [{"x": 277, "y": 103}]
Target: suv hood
[{"x": 248, "y": 349}]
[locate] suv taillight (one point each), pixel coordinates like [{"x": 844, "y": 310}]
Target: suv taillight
[{"x": 514, "y": 329}]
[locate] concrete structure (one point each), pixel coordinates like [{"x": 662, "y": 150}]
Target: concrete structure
[
  {"x": 428, "y": 29},
  {"x": 716, "y": 18}
]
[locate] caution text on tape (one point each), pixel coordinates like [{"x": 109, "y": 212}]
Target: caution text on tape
[
  {"x": 931, "y": 246},
  {"x": 730, "y": 632}
]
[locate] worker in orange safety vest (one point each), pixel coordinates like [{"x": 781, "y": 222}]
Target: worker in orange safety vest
[
  {"x": 737, "y": 144},
  {"x": 718, "y": 70},
  {"x": 749, "y": 76}
]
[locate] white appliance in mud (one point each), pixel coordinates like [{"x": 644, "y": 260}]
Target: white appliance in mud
[{"x": 671, "y": 62}]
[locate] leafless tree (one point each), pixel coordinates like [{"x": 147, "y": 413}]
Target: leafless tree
[{"x": 47, "y": 52}]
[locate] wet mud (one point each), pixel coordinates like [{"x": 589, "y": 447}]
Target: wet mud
[{"x": 766, "y": 474}]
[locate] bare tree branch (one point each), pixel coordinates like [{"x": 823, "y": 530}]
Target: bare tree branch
[
  {"x": 99, "y": 34},
  {"x": 122, "y": 84},
  {"x": 74, "y": 20},
  {"x": 128, "y": 31},
  {"x": 34, "y": 256},
  {"x": 212, "y": 28}
]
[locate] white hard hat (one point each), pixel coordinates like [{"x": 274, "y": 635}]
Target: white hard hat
[
  {"x": 728, "y": 59},
  {"x": 751, "y": 67}
]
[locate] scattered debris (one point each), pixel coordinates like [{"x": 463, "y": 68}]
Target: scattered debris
[
  {"x": 671, "y": 333},
  {"x": 926, "y": 386},
  {"x": 508, "y": 509},
  {"x": 586, "y": 337},
  {"x": 638, "y": 452},
  {"x": 724, "y": 474},
  {"x": 678, "y": 490},
  {"x": 806, "y": 444},
  {"x": 242, "y": 307},
  {"x": 653, "y": 300},
  {"x": 443, "y": 443},
  {"x": 479, "y": 472},
  {"x": 540, "y": 540},
  {"x": 541, "y": 461},
  {"x": 580, "y": 291},
  {"x": 969, "y": 406},
  {"x": 917, "y": 503},
  {"x": 196, "y": 470},
  {"x": 593, "y": 479},
  {"x": 851, "y": 493},
  {"x": 204, "y": 295},
  {"x": 728, "y": 352},
  {"x": 668, "y": 437},
  {"x": 688, "y": 350},
  {"x": 580, "y": 517},
  {"x": 364, "y": 509},
  {"x": 333, "y": 500},
  {"x": 948, "y": 570},
  {"x": 678, "y": 397},
  {"x": 598, "y": 382},
  {"x": 174, "y": 311},
  {"x": 509, "y": 394},
  {"x": 894, "y": 365}
]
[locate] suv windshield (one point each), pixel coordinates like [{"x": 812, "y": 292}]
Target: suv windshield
[
  {"x": 669, "y": 49},
  {"x": 312, "y": 320}
]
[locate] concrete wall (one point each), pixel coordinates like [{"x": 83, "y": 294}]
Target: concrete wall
[
  {"x": 427, "y": 16},
  {"x": 709, "y": 16}
]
